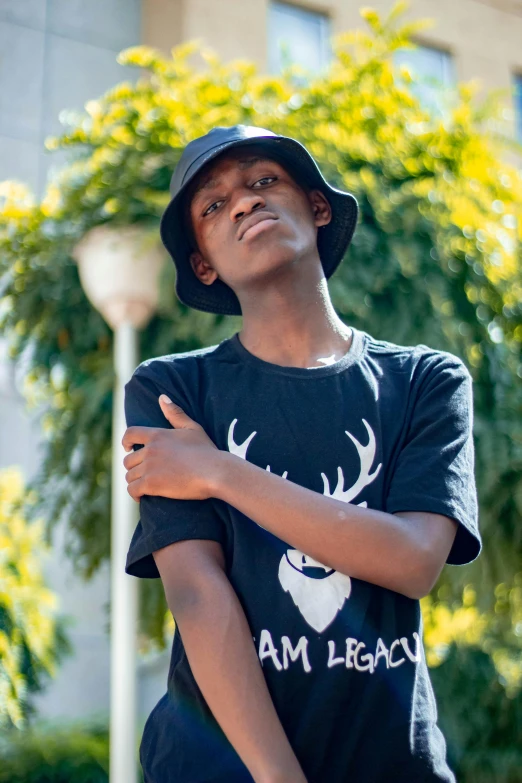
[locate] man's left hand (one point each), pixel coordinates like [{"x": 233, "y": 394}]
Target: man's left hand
[{"x": 172, "y": 463}]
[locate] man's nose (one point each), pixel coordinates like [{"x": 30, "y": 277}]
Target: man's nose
[{"x": 246, "y": 204}]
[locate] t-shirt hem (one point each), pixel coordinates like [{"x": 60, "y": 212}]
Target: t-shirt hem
[
  {"x": 467, "y": 545},
  {"x": 141, "y": 563}
]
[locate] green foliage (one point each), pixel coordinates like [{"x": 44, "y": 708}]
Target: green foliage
[
  {"x": 496, "y": 632},
  {"x": 57, "y": 754},
  {"x": 32, "y": 639},
  {"x": 476, "y": 670},
  {"x": 483, "y": 728},
  {"x": 435, "y": 260}
]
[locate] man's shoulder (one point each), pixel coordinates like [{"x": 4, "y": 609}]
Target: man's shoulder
[
  {"x": 413, "y": 358},
  {"x": 182, "y": 376},
  {"x": 181, "y": 361}
]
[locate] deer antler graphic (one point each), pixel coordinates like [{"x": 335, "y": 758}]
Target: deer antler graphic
[
  {"x": 366, "y": 456},
  {"x": 240, "y": 449}
]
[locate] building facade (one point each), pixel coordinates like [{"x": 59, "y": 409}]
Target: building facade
[
  {"x": 470, "y": 39},
  {"x": 57, "y": 54}
]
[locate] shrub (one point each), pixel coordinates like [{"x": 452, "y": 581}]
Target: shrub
[
  {"x": 32, "y": 637},
  {"x": 56, "y": 755}
]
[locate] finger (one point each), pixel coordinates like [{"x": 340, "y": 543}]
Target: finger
[
  {"x": 174, "y": 414},
  {"x": 134, "y": 474},
  {"x": 135, "y": 490},
  {"x": 134, "y": 435},
  {"x": 133, "y": 458}
]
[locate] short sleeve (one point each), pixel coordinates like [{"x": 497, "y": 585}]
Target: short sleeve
[
  {"x": 163, "y": 521},
  {"x": 434, "y": 471}
]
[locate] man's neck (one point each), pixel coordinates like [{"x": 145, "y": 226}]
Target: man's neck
[{"x": 310, "y": 337}]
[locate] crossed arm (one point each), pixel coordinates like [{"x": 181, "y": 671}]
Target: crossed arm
[{"x": 404, "y": 552}]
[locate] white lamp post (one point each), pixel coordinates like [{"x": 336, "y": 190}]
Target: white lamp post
[{"x": 119, "y": 270}]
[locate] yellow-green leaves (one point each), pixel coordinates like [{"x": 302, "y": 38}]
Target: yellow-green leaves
[
  {"x": 435, "y": 258},
  {"x": 27, "y": 607}
]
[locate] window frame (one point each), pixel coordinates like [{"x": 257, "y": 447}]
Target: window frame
[
  {"x": 432, "y": 83},
  {"x": 324, "y": 20}
]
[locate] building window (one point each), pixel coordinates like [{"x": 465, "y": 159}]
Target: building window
[
  {"x": 297, "y": 36},
  {"x": 518, "y": 107},
  {"x": 434, "y": 74}
]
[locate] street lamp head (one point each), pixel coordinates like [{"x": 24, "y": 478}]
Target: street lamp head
[{"x": 119, "y": 269}]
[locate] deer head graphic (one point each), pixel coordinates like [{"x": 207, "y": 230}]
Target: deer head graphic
[{"x": 319, "y": 592}]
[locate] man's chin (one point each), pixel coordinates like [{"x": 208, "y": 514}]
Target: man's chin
[
  {"x": 271, "y": 256},
  {"x": 270, "y": 268}
]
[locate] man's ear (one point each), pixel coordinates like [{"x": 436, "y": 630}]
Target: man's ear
[
  {"x": 321, "y": 207},
  {"x": 202, "y": 269}
]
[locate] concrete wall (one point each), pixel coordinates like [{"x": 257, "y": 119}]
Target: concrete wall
[{"x": 55, "y": 55}]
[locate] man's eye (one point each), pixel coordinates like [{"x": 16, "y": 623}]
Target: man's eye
[
  {"x": 208, "y": 209},
  {"x": 263, "y": 178},
  {"x": 212, "y": 205}
]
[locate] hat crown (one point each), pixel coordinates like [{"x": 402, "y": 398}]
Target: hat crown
[{"x": 207, "y": 145}]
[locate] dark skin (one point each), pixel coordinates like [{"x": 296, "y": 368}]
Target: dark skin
[{"x": 288, "y": 319}]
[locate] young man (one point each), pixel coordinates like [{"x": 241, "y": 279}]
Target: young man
[{"x": 298, "y": 496}]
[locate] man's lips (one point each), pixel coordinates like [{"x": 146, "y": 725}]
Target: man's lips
[{"x": 252, "y": 221}]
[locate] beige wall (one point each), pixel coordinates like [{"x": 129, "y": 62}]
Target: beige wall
[
  {"x": 162, "y": 23},
  {"x": 234, "y": 28},
  {"x": 484, "y": 36}
]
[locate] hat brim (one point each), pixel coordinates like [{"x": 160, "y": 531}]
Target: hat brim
[{"x": 333, "y": 238}]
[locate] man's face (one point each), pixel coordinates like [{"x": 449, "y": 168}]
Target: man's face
[{"x": 250, "y": 218}]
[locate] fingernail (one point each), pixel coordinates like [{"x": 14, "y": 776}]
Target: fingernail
[{"x": 164, "y": 398}]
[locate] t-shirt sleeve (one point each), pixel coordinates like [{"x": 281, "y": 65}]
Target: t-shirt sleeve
[
  {"x": 163, "y": 521},
  {"x": 434, "y": 470}
]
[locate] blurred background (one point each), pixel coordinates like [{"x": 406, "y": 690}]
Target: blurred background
[{"x": 423, "y": 122}]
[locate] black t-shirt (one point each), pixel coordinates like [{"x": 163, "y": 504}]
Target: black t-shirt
[{"x": 387, "y": 427}]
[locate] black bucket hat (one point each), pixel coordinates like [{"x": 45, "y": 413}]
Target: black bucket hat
[{"x": 333, "y": 238}]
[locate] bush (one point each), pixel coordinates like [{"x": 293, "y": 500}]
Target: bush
[
  {"x": 482, "y": 726},
  {"x": 56, "y": 756},
  {"x": 32, "y": 636}
]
